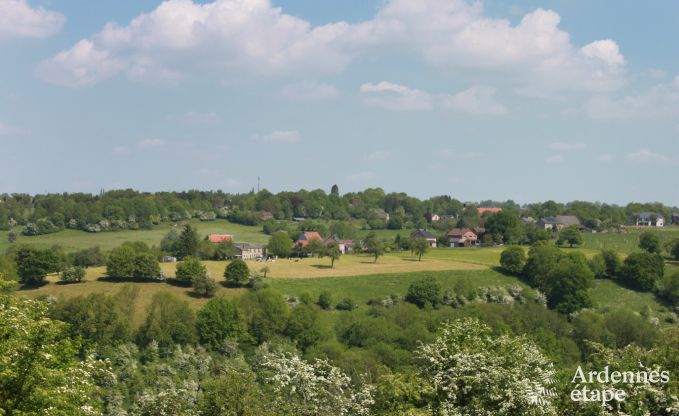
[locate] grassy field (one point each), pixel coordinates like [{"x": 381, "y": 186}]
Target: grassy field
[
  {"x": 72, "y": 240},
  {"x": 627, "y": 242}
]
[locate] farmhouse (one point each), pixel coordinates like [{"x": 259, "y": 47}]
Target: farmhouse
[
  {"x": 434, "y": 218},
  {"x": 465, "y": 237},
  {"x": 558, "y": 222},
  {"x": 266, "y": 216},
  {"x": 306, "y": 236},
  {"x": 650, "y": 219},
  {"x": 218, "y": 238},
  {"x": 427, "y": 235},
  {"x": 344, "y": 246},
  {"x": 247, "y": 251}
]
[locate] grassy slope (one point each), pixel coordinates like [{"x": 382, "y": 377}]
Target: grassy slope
[{"x": 72, "y": 240}]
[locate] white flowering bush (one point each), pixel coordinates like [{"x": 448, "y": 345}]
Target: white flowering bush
[
  {"x": 39, "y": 372},
  {"x": 302, "y": 388},
  {"x": 475, "y": 373}
]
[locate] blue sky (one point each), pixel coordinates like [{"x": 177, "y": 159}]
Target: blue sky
[{"x": 525, "y": 100}]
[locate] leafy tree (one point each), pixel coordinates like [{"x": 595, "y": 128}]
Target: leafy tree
[
  {"x": 34, "y": 264},
  {"x": 266, "y": 313},
  {"x": 650, "y": 242},
  {"x": 146, "y": 267},
  {"x": 304, "y": 326},
  {"x": 568, "y": 284},
  {"x": 169, "y": 321},
  {"x": 218, "y": 321},
  {"x": 237, "y": 272},
  {"x": 420, "y": 246},
  {"x": 542, "y": 259},
  {"x": 473, "y": 372},
  {"x": 570, "y": 235},
  {"x": 187, "y": 244},
  {"x": 206, "y": 250},
  {"x": 613, "y": 263},
  {"x": 325, "y": 300},
  {"x": 44, "y": 372},
  {"x": 375, "y": 246},
  {"x": 96, "y": 318},
  {"x": 507, "y": 226},
  {"x": 280, "y": 244},
  {"x": 264, "y": 270},
  {"x": 89, "y": 257},
  {"x": 234, "y": 392},
  {"x": 224, "y": 250},
  {"x": 72, "y": 274},
  {"x": 168, "y": 244},
  {"x": 673, "y": 249},
  {"x": 189, "y": 269},
  {"x": 424, "y": 292},
  {"x": 513, "y": 259},
  {"x": 642, "y": 271},
  {"x": 204, "y": 285},
  {"x": 597, "y": 265},
  {"x": 314, "y": 248},
  {"x": 120, "y": 262},
  {"x": 670, "y": 288},
  {"x": 332, "y": 250}
]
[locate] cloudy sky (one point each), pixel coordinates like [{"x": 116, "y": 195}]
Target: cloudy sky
[{"x": 528, "y": 100}]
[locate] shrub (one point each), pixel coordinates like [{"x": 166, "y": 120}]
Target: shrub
[
  {"x": 204, "y": 285},
  {"x": 89, "y": 257},
  {"x": 346, "y": 304},
  {"x": 72, "y": 274},
  {"x": 146, "y": 267},
  {"x": 642, "y": 271},
  {"x": 424, "y": 292},
  {"x": 513, "y": 259},
  {"x": 597, "y": 265},
  {"x": 189, "y": 270},
  {"x": 613, "y": 263},
  {"x": 325, "y": 300},
  {"x": 650, "y": 242},
  {"x": 219, "y": 320},
  {"x": 237, "y": 272}
]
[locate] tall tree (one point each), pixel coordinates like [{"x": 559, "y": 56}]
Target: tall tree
[
  {"x": 280, "y": 244},
  {"x": 420, "y": 246},
  {"x": 187, "y": 244},
  {"x": 570, "y": 235}
]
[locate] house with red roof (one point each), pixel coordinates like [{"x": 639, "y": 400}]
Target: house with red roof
[
  {"x": 218, "y": 238},
  {"x": 465, "y": 237}
]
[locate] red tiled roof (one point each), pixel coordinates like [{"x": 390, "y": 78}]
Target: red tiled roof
[
  {"x": 459, "y": 232},
  {"x": 218, "y": 238},
  {"x": 311, "y": 235},
  {"x": 482, "y": 211}
]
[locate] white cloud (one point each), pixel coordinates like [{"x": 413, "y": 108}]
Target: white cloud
[
  {"x": 120, "y": 151},
  {"x": 150, "y": 143},
  {"x": 555, "y": 159},
  {"x": 660, "y": 101},
  {"x": 567, "y": 147},
  {"x": 19, "y": 20},
  {"x": 606, "y": 158},
  {"x": 193, "y": 117},
  {"x": 477, "y": 100},
  {"x": 11, "y": 131},
  {"x": 310, "y": 91},
  {"x": 361, "y": 176},
  {"x": 395, "y": 97},
  {"x": 645, "y": 155},
  {"x": 291, "y": 136},
  {"x": 252, "y": 37},
  {"x": 180, "y": 36},
  {"x": 606, "y": 50}
]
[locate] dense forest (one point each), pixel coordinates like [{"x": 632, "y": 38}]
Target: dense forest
[{"x": 129, "y": 209}]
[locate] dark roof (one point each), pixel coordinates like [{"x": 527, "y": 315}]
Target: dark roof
[
  {"x": 562, "y": 220},
  {"x": 422, "y": 233},
  {"x": 458, "y": 232},
  {"x": 648, "y": 215}
]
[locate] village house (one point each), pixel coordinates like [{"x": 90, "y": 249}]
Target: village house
[
  {"x": 247, "y": 251},
  {"x": 427, "y": 235},
  {"x": 558, "y": 222},
  {"x": 266, "y": 216},
  {"x": 344, "y": 246},
  {"x": 650, "y": 219},
  {"x": 218, "y": 238},
  {"x": 434, "y": 218},
  {"x": 465, "y": 237}
]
